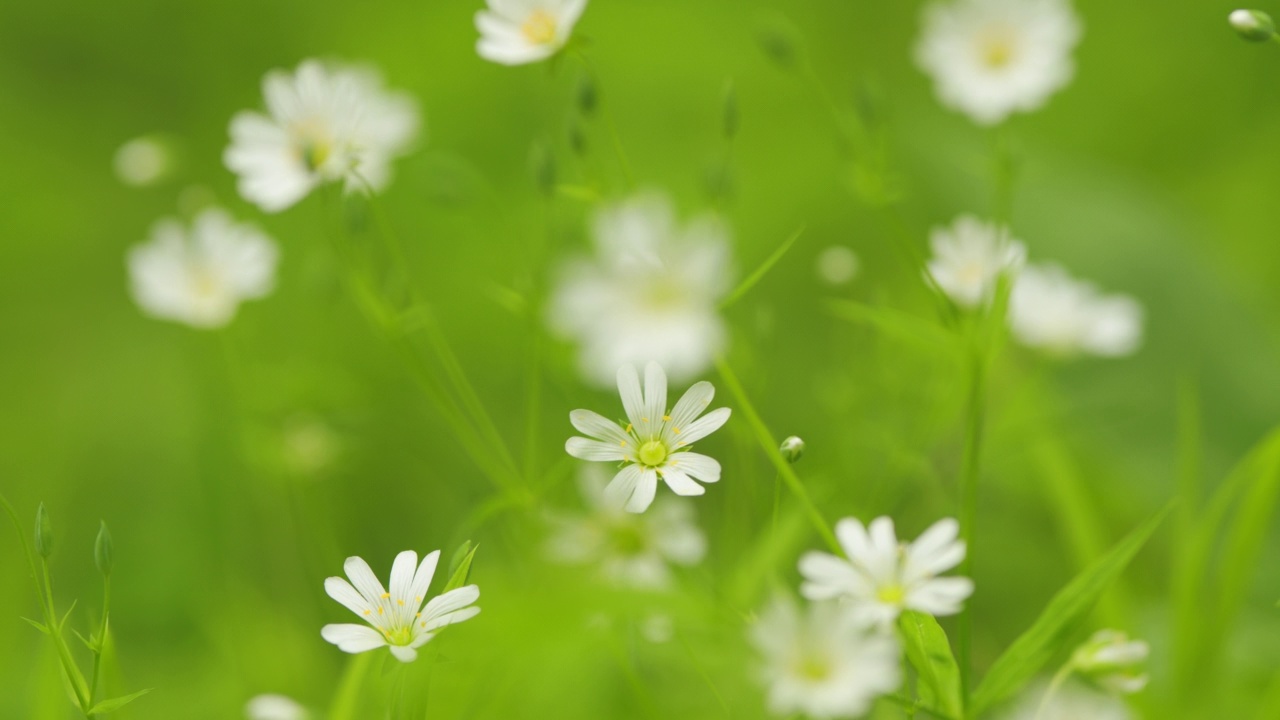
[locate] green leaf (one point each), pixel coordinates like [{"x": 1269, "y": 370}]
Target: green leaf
[
  {"x": 908, "y": 328},
  {"x": 461, "y": 566},
  {"x": 37, "y": 625},
  {"x": 114, "y": 704},
  {"x": 1037, "y": 645},
  {"x": 930, "y": 654}
]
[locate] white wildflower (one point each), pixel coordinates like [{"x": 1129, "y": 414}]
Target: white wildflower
[
  {"x": 656, "y": 441},
  {"x": 837, "y": 265},
  {"x": 516, "y": 32},
  {"x": 144, "y": 161},
  {"x": 1111, "y": 660},
  {"x": 969, "y": 258},
  {"x": 1071, "y": 701},
  {"x": 991, "y": 58},
  {"x": 323, "y": 124},
  {"x": 396, "y": 617},
  {"x": 880, "y": 577},
  {"x": 651, "y": 292},
  {"x": 1052, "y": 311},
  {"x": 274, "y": 707},
  {"x": 200, "y": 277},
  {"x": 823, "y": 662},
  {"x": 630, "y": 550}
]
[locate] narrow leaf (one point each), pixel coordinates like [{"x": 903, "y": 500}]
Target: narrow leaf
[
  {"x": 908, "y": 328},
  {"x": 37, "y": 625},
  {"x": 930, "y": 654},
  {"x": 761, "y": 271},
  {"x": 114, "y": 704},
  {"x": 462, "y": 570},
  {"x": 1029, "y": 653}
]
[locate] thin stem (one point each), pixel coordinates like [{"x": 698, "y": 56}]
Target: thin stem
[
  {"x": 969, "y": 474},
  {"x": 346, "y": 701},
  {"x": 101, "y": 640},
  {"x": 1054, "y": 685},
  {"x": 614, "y": 136},
  {"x": 53, "y": 622}
]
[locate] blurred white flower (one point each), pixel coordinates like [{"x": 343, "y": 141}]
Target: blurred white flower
[
  {"x": 323, "y": 124},
  {"x": 1050, "y": 310},
  {"x": 310, "y": 446},
  {"x": 650, "y": 293},
  {"x": 397, "y": 617},
  {"x": 825, "y": 662},
  {"x": 274, "y": 707},
  {"x": 629, "y": 550},
  {"x": 655, "y": 443},
  {"x": 969, "y": 257},
  {"x": 199, "y": 277},
  {"x": 837, "y": 265},
  {"x": 1071, "y": 701},
  {"x": 1111, "y": 659},
  {"x": 991, "y": 58},
  {"x": 881, "y": 577},
  {"x": 143, "y": 161},
  {"x": 516, "y": 32},
  {"x": 658, "y": 628}
]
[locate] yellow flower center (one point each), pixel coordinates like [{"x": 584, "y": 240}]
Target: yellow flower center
[
  {"x": 539, "y": 28},
  {"x": 653, "y": 453},
  {"x": 812, "y": 667},
  {"x": 997, "y": 49},
  {"x": 892, "y": 594}
]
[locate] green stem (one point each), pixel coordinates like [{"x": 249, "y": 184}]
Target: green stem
[
  {"x": 53, "y": 622},
  {"x": 971, "y": 460},
  {"x": 346, "y": 701},
  {"x": 614, "y": 136},
  {"x": 101, "y": 640},
  {"x": 770, "y": 446}
]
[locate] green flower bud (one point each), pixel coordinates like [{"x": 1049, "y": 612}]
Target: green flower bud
[
  {"x": 1253, "y": 25},
  {"x": 1113, "y": 661},
  {"x": 104, "y": 551},
  {"x": 792, "y": 448},
  {"x": 730, "y": 111},
  {"x": 44, "y": 533}
]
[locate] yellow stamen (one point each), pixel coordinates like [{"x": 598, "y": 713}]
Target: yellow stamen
[
  {"x": 539, "y": 28},
  {"x": 386, "y": 596}
]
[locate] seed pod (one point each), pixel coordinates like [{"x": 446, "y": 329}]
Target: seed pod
[
  {"x": 104, "y": 551},
  {"x": 44, "y": 532}
]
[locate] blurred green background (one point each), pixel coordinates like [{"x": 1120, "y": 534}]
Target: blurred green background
[{"x": 1154, "y": 173}]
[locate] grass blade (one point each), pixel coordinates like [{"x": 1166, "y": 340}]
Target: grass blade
[
  {"x": 930, "y": 654},
  {"x": 761, "y": 271}
]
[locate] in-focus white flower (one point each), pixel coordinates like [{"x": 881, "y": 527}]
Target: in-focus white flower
[
  {"x": 629, "y": 550},
  {"x": 1050, "y": 310},
  {"x": 655, "y": 442},
  {"x": 837, "y": 265},
  {"x": 969, "y": 257},
  {"x": 881, "y": 577},
  {"x": 1111, "y": 659},
  {"x": 1071, "y": 701},
  {"x": 323, "y": 124},
  {"x": 396, "y": 617},
  {"x": 991, "y": 58},
  {"x": 144, "y": 161},
  {"x": 825, "y": 662},
  {"x": 274, "y": 707},
  {"x": 199, "y": 277},
  {"x": 516, "y": 32},
  {"x": 651, "y": 292}
]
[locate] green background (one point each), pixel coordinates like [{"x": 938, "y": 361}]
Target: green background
[{"x": 1154, "y": 173}]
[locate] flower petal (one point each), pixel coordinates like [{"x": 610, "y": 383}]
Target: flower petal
[
  {"x": 598, "y": 427},
  {"x": 655, "y": 399},
  {"x": 619, "y": 491},
  {"x": 450, "y": 602},
  {"x": 451, "y": 618},
  {"x": 341, "y": 590},
  {"x": 629, "y": 390},
  {"x": 364, "y": 580},
  {"x": 353, "y": 638},
  {"x": 701, "y": 427},
  {"x": 404, "y": 653},
  {"x": 585, "y": 449},
  {"x": 680, "y": 483},
  {"x": 696, "y": 465},
  {"x": 646, "y": 488},
  {"x": 688, "y": 408},
  {"x": 422, "y": 578}
]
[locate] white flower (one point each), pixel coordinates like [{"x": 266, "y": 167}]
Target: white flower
[
  {"x": 651, "y": 293},
  {"x": 990, "y": 58},
  {"x": 629, "y": 550},
  {"x": 323, "y": 124},
  {"x": 516, "y": 32},
  {"x": 837, "y": 265},
  {"x": 655, "y": 443},
  {"x": 1068, "y": 702},
  {"x": 881, "y": 578},
  {"x": 1050, "y": 310},
  {"x": 144, "y": 161},
  {"x": 200, "y": 277},
  {"x": 969, "y": 257},
  {"x": 823, "y": 663},
  {"x": 397, "y": 617},
  {"x": 1111, "y": 659},
  {"x": 274, "y": 707}
]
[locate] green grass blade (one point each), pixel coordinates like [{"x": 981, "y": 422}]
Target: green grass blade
[
  {"x": 1037, "y": 645},
  {"x": 761, "y": 271},
  {"x": 902, "y": 326},
  {"x": 930, "y": 654},
  {"x": 109, "y": 706}
]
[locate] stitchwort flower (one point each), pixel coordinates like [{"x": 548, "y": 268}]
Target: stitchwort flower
[
  {"x": 518, "y": 32},
  {"x": 882, "y": 577},
  {"x": 1112, "y": 661},
  {"x": 1052, "y": 311},
  {"x": 968, "y": 258},
  {"x": 323, "y": 124},
  {"x": 655, "y": 443},
  {"x": 396, "y": 618}
]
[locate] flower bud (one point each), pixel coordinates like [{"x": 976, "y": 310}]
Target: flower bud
[
  {"x": 44, "y": 533},
  {"x": 588, "y": 97},
  {"x": 104, "y": 551},
  {"x": 1111, "y": 659},
  {"x": 792, "y": 448},
  {"x": 730, "y": 110},
  {"x": 1253, "y": 25}
]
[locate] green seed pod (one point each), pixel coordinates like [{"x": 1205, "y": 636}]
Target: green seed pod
[
  {"x": 792, "y": 449},
  {"x": 44, "y": 532},
  {"x": 730, "y": 110},
  {"x": 1252, "y": 25},
  {"x": 104, "y": 551}
]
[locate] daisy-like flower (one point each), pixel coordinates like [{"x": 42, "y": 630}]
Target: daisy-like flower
[
  {"x": 1111, "y": 659},
  {"x": 881, "y": 577},
  {"x": 1052, "y": 311},
  {"x": 651, "y": 292},
  {"x": 274, "y": 707},
  {"x": 323, "y": 124},
  {"x": 655, "y": 442},
  {"x": 199, "y": 277},
  {"x": 629, "y": 550},
  {"x": 518, "y": 32},
  {"x": 825, "y": 662},
  {"x": 969, "y": 257},
  {"x": 991, "y": 58},
  {"x": 1071, "y": 701},
  {"x": 397, "y": 619}
]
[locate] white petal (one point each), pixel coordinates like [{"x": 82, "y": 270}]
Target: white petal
[
  {"x": 940, "y": 596},
  {"x": 646, "y": 488},
  {"x": 696, "y": 465},
  {"x": 597, "y": 426},
  {"x": 353, "y": 638},
  {"x": 689, "y": 407},
  {"x": 595, "y": 450},
  {"x": 655, "y": 399},
  {"x": 680, "y": 483},
  {"x": 341, "y": 590},
  {"x": 449, "y": 602},
  {"x": 422, "y": 578},
  {"x": 827, "y": 576},
  {"x": 451, "y": 618},
  {"x": 853, "y": 538},
  {"x": 617, "y": 494},
  {"x": 629, "y": 390},
  {"x": 364, "y": 580},
  {"x": 701, "y": 427},
  {"x": 404, "y": 653}
]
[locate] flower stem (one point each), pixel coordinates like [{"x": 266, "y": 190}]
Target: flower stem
[
  {"x": 346, "y": 702},
  {"x": 970, "y": 470},
  {"x": 101, "y": 640}
]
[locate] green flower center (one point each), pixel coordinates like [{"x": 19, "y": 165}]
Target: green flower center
[
  {"x": 892, "y": 594},
  {"x": 813, "y": 667},
  {"x": 653, "y": 453}
]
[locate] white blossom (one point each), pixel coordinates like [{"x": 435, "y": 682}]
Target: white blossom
[
  {"x": 517, "y": 32},
  {"x": 1052, "y": 311},
  {"x": 969, "y": 258}
]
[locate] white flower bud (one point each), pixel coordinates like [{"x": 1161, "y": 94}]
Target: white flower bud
[
  {"x": 792, "y": 448},
  {"x": 1111, "y": 659},
  {"x": 1253, "y": 25}
]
